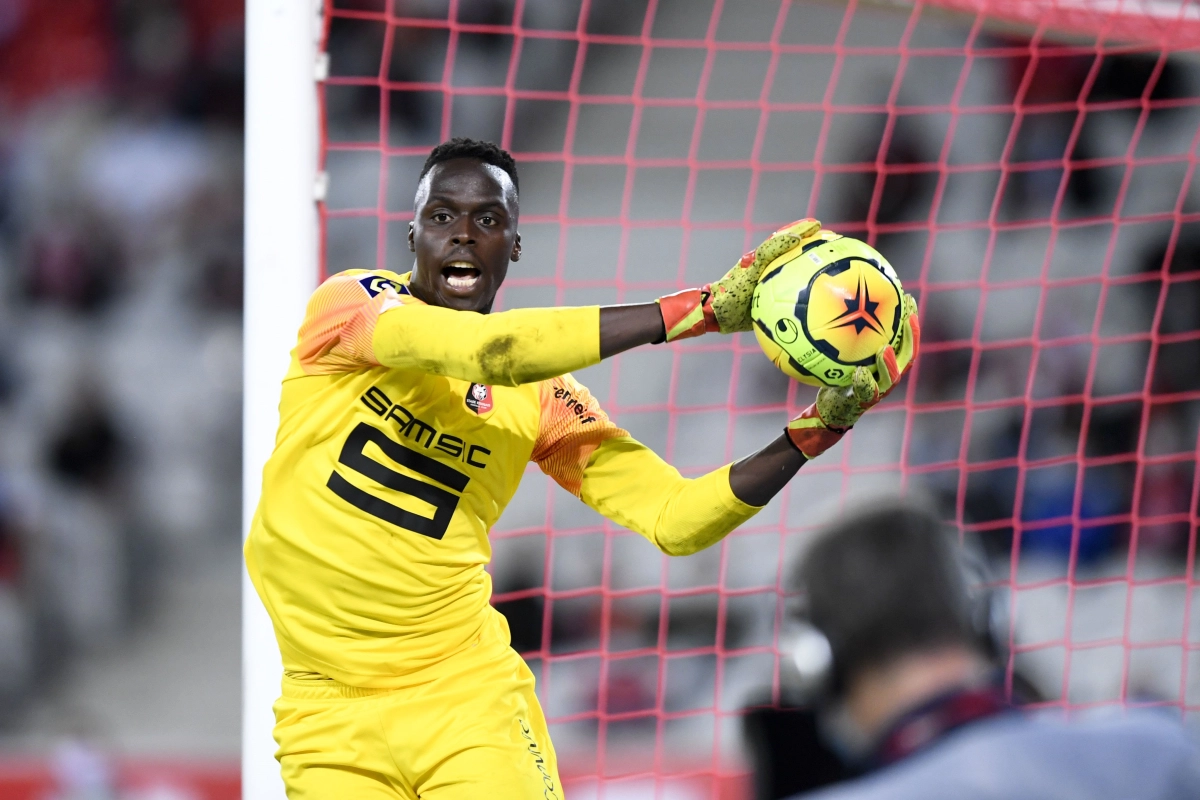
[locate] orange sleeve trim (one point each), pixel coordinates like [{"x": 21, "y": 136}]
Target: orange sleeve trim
[
  {"x": 571, "y": 427},
  {"x": 340, "y": 320}
]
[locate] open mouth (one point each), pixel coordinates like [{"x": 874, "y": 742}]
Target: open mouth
[{"x": 460, "y": 275}]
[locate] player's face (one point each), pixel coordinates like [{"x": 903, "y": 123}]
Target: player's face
[{"x": 464, "y": 234}]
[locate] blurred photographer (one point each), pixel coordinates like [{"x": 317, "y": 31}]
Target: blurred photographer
[{"x": 912, "y": 703}]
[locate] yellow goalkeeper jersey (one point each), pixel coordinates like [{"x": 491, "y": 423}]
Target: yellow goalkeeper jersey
[{"x": 404, "y": 432}]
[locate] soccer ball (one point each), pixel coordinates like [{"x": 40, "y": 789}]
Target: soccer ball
[{"x": 825, "y": 307}]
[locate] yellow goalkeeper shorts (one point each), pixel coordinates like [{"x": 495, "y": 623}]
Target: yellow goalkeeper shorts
[{"x": 474, "y": 730}]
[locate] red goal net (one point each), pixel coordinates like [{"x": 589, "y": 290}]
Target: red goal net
[{"x": 1027, "y": 167}]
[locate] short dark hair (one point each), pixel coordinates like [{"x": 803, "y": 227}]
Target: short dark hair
[
  {"x": 462, "y": 147},
  {"x": 883, "y": 583}
]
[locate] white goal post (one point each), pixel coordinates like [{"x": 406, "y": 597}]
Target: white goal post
[{"x": 280, "y": 273}]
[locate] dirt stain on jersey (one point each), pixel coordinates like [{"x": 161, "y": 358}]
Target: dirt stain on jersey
[{"x": 496, "y": 359}]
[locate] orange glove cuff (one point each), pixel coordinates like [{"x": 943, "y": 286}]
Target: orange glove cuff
[
  {"x": 810, "y": 435},
  {"x": 688, "y": 313}
]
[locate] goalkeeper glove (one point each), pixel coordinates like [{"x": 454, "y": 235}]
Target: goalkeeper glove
[
  {"x": 821, "y": 425},
  {"x": 724, "y": 305}
]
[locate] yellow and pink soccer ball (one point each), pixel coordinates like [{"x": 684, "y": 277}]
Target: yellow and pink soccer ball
[{"x": 825, "y": 307}]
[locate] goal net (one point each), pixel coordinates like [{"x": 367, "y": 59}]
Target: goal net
[{"x": 1028, "y": 169}]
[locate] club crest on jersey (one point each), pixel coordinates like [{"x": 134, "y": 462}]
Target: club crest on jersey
[
  {"x": 375, "y": 285},
  {"x": 479, "y": 398}
]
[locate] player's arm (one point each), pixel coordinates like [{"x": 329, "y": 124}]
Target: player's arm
[
  {"x": 360, "y": 319},
  {"x": 593, "y": 459},
  {"x": 628, "y": 483},
  {"x": 720, "y": 307}
]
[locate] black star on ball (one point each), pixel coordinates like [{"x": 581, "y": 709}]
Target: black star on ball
[{"x": 860, "y": 311}]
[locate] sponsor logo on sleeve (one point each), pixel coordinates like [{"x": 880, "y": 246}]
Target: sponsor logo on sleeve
[
  {"x": 375, "y": 285},
  {"x": 574, "y": 405},
  {"x": 479, "y": 398}
]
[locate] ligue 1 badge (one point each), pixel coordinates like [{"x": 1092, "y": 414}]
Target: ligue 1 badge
[
  {"x": 375, "y": 285},
  {"x": 479, "y": 398}
]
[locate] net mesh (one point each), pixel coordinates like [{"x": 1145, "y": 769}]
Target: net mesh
[{"x": 1028, "y": 170}]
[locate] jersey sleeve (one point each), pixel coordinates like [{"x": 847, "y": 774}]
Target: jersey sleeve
[
  {"x": 367, "y": 318},
  {"x": 571, "y": 427},
  {"x": 628, "y": 483},
  {"x": 592, "y": 458},
  {"x": 339, "y": 323}
]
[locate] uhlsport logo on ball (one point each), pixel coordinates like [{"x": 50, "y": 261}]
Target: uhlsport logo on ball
[{"x": 826, "y": 307}]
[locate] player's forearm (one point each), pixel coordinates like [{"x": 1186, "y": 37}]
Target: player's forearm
[
  {"x": 512, "y": 347},
  {"x": 626, "y": 482},
  {"x": 625, "y": 327},
  {"x": 505, "y": 349},
  {"x": 700, "y": 513},
  {"x": 756, "y": 479}
]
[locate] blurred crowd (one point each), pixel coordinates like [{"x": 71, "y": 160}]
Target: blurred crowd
[
  {"x": 1075, "y": 369},
  {"x": 120, "y": 290}
]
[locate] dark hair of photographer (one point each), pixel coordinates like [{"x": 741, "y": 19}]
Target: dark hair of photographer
[{"x": 887, "y": 589}]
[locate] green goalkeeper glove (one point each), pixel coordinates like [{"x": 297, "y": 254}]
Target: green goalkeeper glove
[
  {"x": 724, "y": 305},
  {"x": 821, "y": 425}
]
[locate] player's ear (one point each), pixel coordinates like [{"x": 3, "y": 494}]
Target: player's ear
[
  {"x": 516, "y": 251},
  {"x": 412, "y": 245}
]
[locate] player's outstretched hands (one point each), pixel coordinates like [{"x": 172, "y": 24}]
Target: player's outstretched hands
[
  {"x": 724, "y": 306},
  {"x": 821, "y": 425}
]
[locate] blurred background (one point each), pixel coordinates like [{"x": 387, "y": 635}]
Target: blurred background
[
  {"x": 120, "y": 406},
  {"x": 1054, "y": 415}
]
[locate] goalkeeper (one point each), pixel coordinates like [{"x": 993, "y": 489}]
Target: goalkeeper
[{"x": 407, "y": 417}]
